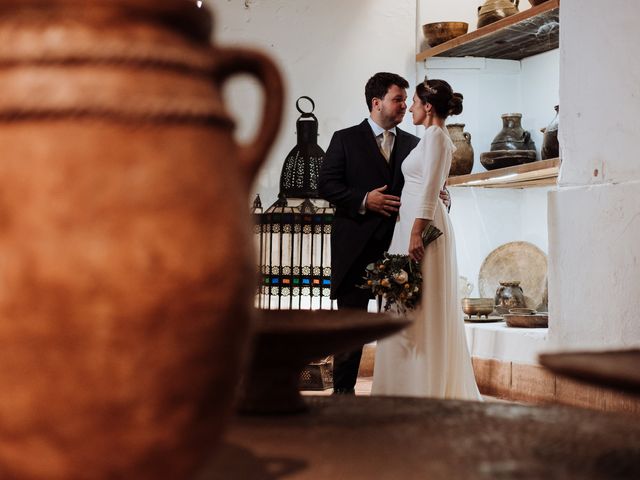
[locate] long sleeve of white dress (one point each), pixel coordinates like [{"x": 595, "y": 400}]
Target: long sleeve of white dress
[{"x": 435, "y": 152}]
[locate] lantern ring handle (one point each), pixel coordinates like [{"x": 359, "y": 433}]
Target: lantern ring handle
[{"x": 313, "y": 105}]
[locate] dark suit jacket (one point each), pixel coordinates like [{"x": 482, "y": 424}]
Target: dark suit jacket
[{"x": 353, "y": 166}]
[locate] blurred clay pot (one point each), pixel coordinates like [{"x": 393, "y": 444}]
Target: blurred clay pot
[
  {"x": 536, "y": 2},
  {"x": 462, "y": 162},
  {"x": 128, "y": 270},
  {"x": 493, "y": 10}
]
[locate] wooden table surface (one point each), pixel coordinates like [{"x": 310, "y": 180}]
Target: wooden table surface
[{"x": 384, "y": 438}]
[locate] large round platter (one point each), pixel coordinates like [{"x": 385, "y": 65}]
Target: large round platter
[{"x": 515, "y": 261}]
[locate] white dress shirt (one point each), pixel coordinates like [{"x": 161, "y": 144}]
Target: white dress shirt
[{"x": 377, "y": 133}]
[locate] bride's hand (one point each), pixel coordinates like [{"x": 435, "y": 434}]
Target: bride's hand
[
  {"x": 416, "y": 248},
  {"x": 445, "y": 197}
]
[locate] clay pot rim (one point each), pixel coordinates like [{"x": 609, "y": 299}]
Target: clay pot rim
[
  {"x": 446, "y": 23},
  {"x": 186, "y": 17},
  {"x": 504, "y": 115}
]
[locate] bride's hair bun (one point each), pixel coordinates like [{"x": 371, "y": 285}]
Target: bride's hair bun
[
  {"x": 441, "y": 96},
  {"x": 455, "y": 104}
]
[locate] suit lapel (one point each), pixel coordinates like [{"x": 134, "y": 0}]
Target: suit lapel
[
  {"x": 373, "y": 154},
  {"x": 401, "y": 149}
]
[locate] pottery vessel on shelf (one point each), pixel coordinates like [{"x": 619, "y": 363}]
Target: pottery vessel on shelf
[
  {"x": 462, "y": 162},
  {"x": 126, "y": 242},
  {"x": 511, "y": 146},
  {"x": 494, "y": 10},
  {"x": 440, "y": 32},
  {"x": 506, "y": 158},
  {"x": 509, "y": 295},
  {"x": 550, "y": 145},
  {"x": 512, "y": 136}
]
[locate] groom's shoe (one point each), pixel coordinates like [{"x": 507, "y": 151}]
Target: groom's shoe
[{"x": 344, "y": 391}]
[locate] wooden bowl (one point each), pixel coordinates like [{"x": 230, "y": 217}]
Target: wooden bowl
[
  {"x": 522, "y": 311},
  {"x": 530, "y": 320},
  {"x": 440, "y": 32}
]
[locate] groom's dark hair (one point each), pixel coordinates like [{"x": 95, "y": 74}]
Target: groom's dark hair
[{"x": 379, "y": 84}]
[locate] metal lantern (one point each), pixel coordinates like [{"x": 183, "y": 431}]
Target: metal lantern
[
  {"x": 295, "y": 256},
  {"x": 293, "y": 237},
  {"x": 299, "y": 177},
  {"x": 294, "y": 233}
]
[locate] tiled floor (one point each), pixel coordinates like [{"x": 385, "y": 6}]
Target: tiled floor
[{"x": 363, "y": 387}]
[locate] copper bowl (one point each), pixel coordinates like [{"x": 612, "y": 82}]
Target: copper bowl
[
  {"x": 478, "y": 306},
  {"x": 440, "y": 32}
]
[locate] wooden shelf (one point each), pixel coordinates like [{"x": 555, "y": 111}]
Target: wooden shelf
[
  {"x": 522, "y": 35},
  {"x": 535, "y": 174}
]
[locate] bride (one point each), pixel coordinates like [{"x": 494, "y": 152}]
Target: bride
[{"x": 430, "y": 358}]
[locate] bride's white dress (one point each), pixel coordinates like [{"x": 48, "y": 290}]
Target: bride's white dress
[{"x": 430, "y": 358}]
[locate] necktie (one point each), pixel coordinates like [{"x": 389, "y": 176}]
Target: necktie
[{"x": 387, "y": 144}]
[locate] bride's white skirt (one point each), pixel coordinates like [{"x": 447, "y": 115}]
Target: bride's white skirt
[{"x": 430, "y": 358}]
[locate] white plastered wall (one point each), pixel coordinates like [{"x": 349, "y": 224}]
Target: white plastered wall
[
  {"x": 594, "y": 217},
  {"x": 327, "y": 50}
]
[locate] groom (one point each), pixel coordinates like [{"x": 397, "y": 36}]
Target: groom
[{"x": 361, "y": 176}]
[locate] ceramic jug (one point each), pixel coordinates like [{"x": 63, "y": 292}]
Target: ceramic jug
[
  {"x": 128, "y": 270},
  {"x": 494, "y": 10},
  {"x": 465, "y": 287},
  {"x": 462, "y": 162},
  {"x": 509, "y": 295},
  {"x": 550, "y": 146},
  {"x": 512, "y": 136}
]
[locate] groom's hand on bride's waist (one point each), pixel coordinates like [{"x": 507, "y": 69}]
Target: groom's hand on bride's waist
[{"x": 379, "y": 202}]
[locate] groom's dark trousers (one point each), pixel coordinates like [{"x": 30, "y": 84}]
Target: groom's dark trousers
[
  {"x": 346, "y": 365},
  {"x": 353, "y": 166}
]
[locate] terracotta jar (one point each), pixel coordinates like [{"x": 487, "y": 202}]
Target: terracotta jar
[
  {"x": 127, "y": 265},
  {"x": 512, "y": 136},
  {"x": 509, "y": 295},
  {"x": 550, "y": 145},
  {"x": 462, "y": 162},
  {"x": 494, "y": 10}
]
